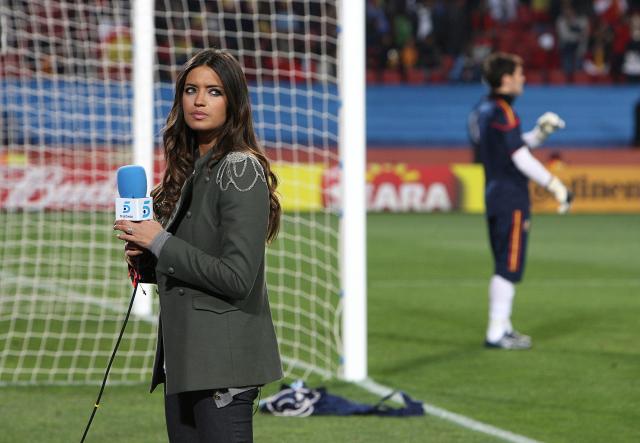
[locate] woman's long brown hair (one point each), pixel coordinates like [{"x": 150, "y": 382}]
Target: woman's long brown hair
[{"x": 236, "y": 134}]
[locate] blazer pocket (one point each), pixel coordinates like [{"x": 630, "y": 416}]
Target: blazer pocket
[{"x": 213, "y": 304}]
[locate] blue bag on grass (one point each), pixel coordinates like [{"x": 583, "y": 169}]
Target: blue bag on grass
[{"x": 298, "y": 400}]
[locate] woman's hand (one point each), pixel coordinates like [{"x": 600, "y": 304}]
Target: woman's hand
[
  {"x": 131, "y": 253},
  {"x": 140, "y": 234}
]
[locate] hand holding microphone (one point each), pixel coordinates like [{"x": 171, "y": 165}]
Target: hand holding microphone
[
  {"x": 137, "y": 235},
  {"x": 133, "y": 203},
  {"x": 134, "y": 215}
]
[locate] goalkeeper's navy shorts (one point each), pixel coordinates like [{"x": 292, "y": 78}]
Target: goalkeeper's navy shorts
[{"x": 508, "y": 232}]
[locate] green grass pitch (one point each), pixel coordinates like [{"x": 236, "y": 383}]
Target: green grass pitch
[{"x": 427, "y": 304}]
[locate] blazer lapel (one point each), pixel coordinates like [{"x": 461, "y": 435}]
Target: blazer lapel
[
  {"x": 187, "y": 189},
  {"x": 185, "y": 196}
]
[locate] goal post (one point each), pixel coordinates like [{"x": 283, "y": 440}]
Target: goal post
[
  {"x": 143, "y": 139},
  {"x": 353, "y": 159},
  {"x": 85, "y": 88}
]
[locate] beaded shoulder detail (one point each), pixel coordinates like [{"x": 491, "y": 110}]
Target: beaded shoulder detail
[{"x": 241, "y": 170}]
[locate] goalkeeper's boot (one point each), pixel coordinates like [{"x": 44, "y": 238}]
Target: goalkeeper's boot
[
  {"x": 518, "y": 336},
  {"x": 510, "y": 340}
]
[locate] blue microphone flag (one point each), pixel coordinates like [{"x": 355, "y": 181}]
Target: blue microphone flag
[
  {"x": 132, "y": 181},
  {"x": 133, "y": 203}
]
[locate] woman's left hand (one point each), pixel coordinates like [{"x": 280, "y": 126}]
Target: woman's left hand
[{"x": 141, "y": 233}]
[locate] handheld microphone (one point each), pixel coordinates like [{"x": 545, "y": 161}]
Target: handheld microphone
[{"x": 133, "y": 203}]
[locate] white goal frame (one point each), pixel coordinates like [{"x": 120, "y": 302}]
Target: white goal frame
[
  {"x": 86, "y": 90},
  {"x": 353, "y": 264},
  {"x": 352, "y": 151}
]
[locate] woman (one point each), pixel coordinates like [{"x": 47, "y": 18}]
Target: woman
[{"x": 216, "y": 206}]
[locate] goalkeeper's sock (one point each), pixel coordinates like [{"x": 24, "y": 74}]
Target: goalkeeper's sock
[
  {"x": 508, "y": 327},
  {"x": 501, "y": 293}
]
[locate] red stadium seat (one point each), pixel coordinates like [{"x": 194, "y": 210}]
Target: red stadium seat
[
  {"x": 447, "y": 63},
  {"x": 557, "y": 77},
  {"x": 582, "y": 78},
  {"x": 416, "y": 76},
  {"x": 439, "y": 76},
  {"x": 391, "y": 77},
  {"x": 602, "y": 79},
  {"x": 372, "y": 76},
  {"x": 534, "y": 77}
]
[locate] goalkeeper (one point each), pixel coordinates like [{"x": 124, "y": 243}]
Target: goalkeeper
[{"x": 505, "y": 153}]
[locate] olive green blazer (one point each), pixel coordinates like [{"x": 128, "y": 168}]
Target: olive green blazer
[{"x": 215, "y": 328}]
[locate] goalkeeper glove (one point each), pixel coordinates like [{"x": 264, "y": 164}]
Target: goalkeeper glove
[
  {"x": 562, "y": 195},
  {"x": 547, "y": 124}
]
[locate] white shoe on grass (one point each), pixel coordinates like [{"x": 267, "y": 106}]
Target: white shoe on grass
[{"x": 510, "y": 340}]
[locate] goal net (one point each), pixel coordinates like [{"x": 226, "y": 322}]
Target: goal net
[{"x": 66, "y": 106}]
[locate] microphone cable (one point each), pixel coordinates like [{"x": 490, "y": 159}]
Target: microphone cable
[{"x": 113, "y": 355}]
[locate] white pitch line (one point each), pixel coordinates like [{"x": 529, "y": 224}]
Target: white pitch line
[
  {"x": 465, "y": 422},
  {"x": 77, "y": 297},
  {"x": 573, "y": 282}
]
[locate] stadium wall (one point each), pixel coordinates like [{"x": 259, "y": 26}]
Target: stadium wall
[
  {"x": 299, "y": 115},
  {"x": 397, "y": 116},
  {"x": 596, "y": 116}
]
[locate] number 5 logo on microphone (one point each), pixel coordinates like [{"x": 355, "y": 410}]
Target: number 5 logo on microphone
[
  {"x": 126, "y": 207},
  {"x": 146, "y": 209}
]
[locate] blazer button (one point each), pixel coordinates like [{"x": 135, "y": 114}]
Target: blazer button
[
  {"x": 206, "y": 178},
  {"x": 180, "y": 291},
  {"x": 188, "y": 214},
  {"x": 171, "y": 270}
]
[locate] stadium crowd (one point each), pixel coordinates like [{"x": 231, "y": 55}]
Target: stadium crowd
[
  {"x": 561, "y": 41},
  {"x": 413, "y": 41},
  {"x": 283, "y": 38}
]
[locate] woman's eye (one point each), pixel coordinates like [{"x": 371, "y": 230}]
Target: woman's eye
[
  {"x": 215, "y": 92},
  {"x": 189, "y": 90}
]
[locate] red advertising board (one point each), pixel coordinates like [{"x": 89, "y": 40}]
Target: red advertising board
[
  {"x": 56, "y": 187},
  {"x": 400, "y": 187},
  {"x": 62, "y": 179},
  {"x": 73, "y": 185}
]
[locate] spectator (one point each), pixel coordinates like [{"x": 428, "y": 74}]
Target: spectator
[
  {"x": 503, "y": 11},
  {"x": 610, "y": 10},
  {"x": 467, "y": 67},
  {"x": 430, "y": 56},
  {"x": 458, "y": 23},
  {"x": 631, "y": 64},
  {"x": 408, "y": 56},
  {"x": 402, "y": 30},
  {"x": 378, "y": 35},
  {"x": 636, "y": 137},
  {"x": 429, "y": 53},
  {"x": 598, "y": 59},
  {"x": 441, "y": 31},
  {"x": 573, "y": 35},
  {"x": 424, "y": 22},
  {"x": 621, "y": 37},
  {"x": 540, "y": 10}
]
